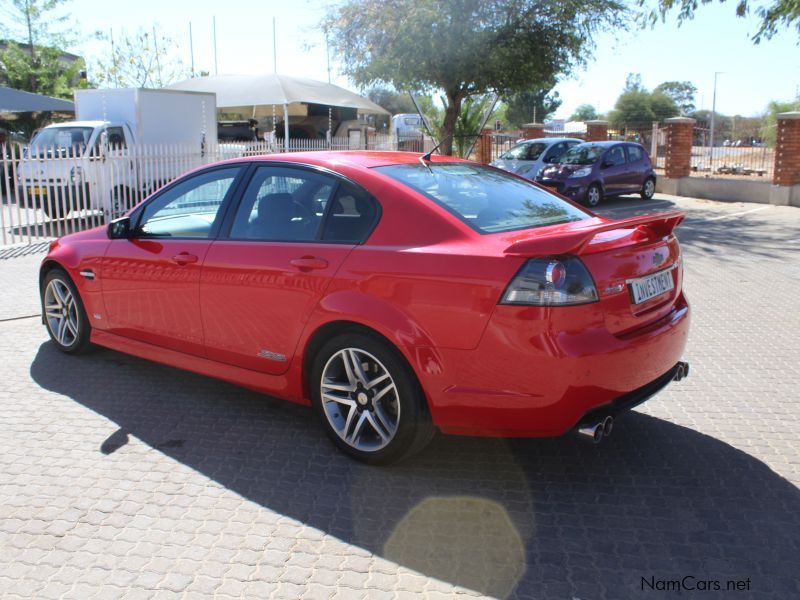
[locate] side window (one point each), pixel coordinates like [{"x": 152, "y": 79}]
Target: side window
[
  {"x": 190, "y": 208},
  {"x": 554, "y": 152},
  {"x": 616, "y": 156},
  {"x": 116, "y": 138},
  {"x": 634, "y": 153},
  {"x": 351, "y": 217},
  {"x": 282, "y": 204}
]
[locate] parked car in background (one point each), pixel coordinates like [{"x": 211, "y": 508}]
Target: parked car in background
[
  {"x": 394, "y": 293},
  {"x": 592, "y": 171},
  {"x": 528, "y": 157}
]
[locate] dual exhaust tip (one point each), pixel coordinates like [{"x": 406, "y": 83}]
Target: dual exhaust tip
[
  {"x": 681, "y": 371},
  {"x": 595, "y": 431}
]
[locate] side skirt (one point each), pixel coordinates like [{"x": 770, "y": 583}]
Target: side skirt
[{"x": 273, "y": 385}]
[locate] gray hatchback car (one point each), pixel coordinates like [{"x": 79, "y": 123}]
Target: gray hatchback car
[
  {"x": 591, "y": 171},
  {"x": 528, "y": 157}
]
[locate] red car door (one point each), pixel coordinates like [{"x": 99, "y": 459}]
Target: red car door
[
  {"x": 291, "y": 231},
  {"x": 151, "y": 281}
]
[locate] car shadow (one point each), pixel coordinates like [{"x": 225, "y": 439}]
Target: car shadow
[{"x": 510, "y": 518}]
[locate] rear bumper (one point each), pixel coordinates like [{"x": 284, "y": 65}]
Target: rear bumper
[{"x": 534, "y": 375}]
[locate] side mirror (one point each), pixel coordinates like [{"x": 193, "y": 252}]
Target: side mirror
[
  {"x": 120, "y": 229},
  {"x": 606, "y": 164}
]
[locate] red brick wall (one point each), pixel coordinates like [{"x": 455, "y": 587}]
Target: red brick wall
[
  {"x": 596, "y": 131},
  {"x": 787, "y": 150},
  {"x": 531, "y": 131},
  {"x": 680, "y": 133}
]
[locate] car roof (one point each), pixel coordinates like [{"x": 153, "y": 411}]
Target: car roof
[
  {"x": 609, "y": 143},
  {"x": 552, "y": 140},
  {"x": 351, "y": 158}
]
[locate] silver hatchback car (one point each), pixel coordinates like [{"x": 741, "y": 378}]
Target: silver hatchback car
[{"x": 529, "y": 156}]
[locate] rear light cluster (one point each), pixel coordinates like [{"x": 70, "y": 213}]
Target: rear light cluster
[{"x": 559, "y": 281}]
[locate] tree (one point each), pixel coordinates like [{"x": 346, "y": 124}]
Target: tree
[
  {"x": 585, "y": 112},
  {"x": 663, "y": 106},
  {"x": 637, "y": 106},
  {"x": 633, "y": 83},
  {"x": 781, "y": 13},
  {"x": 469, "y": 122},
  {"x": 774, "y": 108},
  {"x": 37, "y": 67},
  {"x": 33, "y": 59},
  {"x": 632, "y": 108},
  {"x": 143, "y": 59},
  {"x": 395, "y": 102},
  {"x": 467, "y": 48},
  {"x": 681, "y": 92},
  {"x": 530, "y": 106}
]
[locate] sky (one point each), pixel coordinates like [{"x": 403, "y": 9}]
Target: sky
[{"x": 751, "y": 75}]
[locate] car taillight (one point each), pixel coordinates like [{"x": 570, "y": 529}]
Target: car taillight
[{"x": 559, "y": 281}]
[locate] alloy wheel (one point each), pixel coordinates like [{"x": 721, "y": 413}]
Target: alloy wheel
[
  {"x": 649, "y": 188},
  {"x": 593, "y": 196},
  {"x": 360, "y": 399},
  {"x": 61, "y": 313}
]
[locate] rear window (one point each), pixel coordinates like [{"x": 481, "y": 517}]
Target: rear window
[{"x": 488, "y": 200}]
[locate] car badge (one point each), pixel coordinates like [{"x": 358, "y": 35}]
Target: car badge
[{"x": 658, "y": 258}]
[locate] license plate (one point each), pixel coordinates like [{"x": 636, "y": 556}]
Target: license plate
[
  {"x": 37, "y": 191},
  {"x": 645, "y": 288}
]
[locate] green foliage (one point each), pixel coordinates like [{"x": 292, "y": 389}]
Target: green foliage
[
  {"x": 467, "y": 48},
  {"x": 585, "y": 112},
  {"x": 681, "y": 92},
  {"x": 774, "y": 108},
  {"x": 637, "y": 107},
  {"x": 144, "y": 59},
  {"x": 468, "y": 124},
  {"x": 779, "y": 14},
  {"x": 38, "y": 66},
  {"x": 522, "y": 107},
  {"x": 395, "y": 102}
]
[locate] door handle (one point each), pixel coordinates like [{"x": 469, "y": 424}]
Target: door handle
[
  {"x": 184, "y": 258},
  {"x": 309, "y": 263}
]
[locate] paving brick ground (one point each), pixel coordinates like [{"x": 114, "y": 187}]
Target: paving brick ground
[{"x": 121, "y": 478}]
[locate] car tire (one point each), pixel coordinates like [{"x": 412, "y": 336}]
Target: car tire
[
  {"x": 594, "y": 195},
  {"x": 648, "y": 188},
  {"x": 368, "y": 399},
  {"x": 64, "y": 315}
]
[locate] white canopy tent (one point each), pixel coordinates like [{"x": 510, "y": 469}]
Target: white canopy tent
[{"x": 258, "y": 95}]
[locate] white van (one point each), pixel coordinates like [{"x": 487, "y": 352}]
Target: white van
[{"x": 106, "y": 159}]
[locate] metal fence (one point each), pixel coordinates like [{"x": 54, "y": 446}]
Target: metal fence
[
  {"x": 47, "y": 192},
  {"x": 741, "y": 158}
]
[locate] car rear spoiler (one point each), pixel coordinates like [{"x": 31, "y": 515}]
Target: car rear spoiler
[{"x": 575, "y": 239}]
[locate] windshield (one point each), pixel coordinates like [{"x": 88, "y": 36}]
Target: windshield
[
  {"x": 71, "y": 139},
  {"x": 581, "y": 155},
  {"x": 488, "y": 200},
  {"x": 524, "y": 152}
]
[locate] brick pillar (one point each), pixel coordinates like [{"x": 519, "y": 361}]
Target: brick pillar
[
  {"x": 596, "y": 131},
  {"x": 787, "y": 149},
  {"x": 483, "y": 147},
  {"x": 680, "y": 134},
  {"x": 531, "y": 131}
]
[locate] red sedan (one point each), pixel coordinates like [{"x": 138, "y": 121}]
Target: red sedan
[{"x": 395, "y": 293}]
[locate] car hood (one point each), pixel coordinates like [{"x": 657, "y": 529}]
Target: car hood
[{"x": 561, "y": 171}]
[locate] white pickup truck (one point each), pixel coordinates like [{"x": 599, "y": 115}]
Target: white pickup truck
[{"x": 124, "y": 144}]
